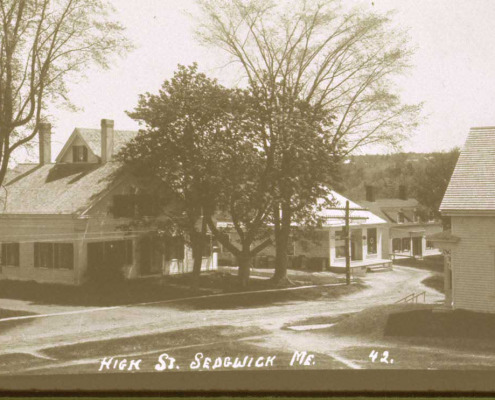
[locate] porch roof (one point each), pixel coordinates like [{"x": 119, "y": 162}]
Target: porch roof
[{"x": 335, "y": 214}]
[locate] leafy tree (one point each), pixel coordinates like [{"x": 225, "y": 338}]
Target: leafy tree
[
  {"x": 425, "y": 175},
  {"x": 340, "y": 64},
  {"x": 431, "y": 180},
  {"x": 43, "y": 44},
  {"x": 199, "y": 144},
  {"x": 244, "y": 194},
  {"x": 177, "y": 149}
]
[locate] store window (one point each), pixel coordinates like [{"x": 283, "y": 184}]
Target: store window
[
  {"x": 371, "y": 240},
  {"x": 340, "y": 243}
]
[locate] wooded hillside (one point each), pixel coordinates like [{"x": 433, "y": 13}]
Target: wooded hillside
[{"x": 425, "y": 175}]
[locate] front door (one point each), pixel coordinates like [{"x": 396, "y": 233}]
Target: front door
[
  {"x": 146, "y": 256},
  {"x": 105, "y": 261},
  {"x": 417, "y": 246}
]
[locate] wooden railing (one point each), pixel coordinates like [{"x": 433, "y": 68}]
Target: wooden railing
[{"x": 412, "y": 298}]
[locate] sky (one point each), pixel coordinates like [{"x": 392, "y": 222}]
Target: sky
[{"x": 453, "y": 70}]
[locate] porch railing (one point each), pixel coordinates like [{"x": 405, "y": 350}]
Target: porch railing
[{"x": 412, "y": 298}]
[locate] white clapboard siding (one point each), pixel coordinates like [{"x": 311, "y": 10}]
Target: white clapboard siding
[{"x": 473, "y": 263}]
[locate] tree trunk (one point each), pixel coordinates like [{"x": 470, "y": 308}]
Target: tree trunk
[
  {"x": 281, "y": 247},
  {"x": 245, "y": 262},
  {"x": 197, "y": 244}
]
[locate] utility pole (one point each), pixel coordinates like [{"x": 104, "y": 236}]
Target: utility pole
[{"x": 347, "y": 241}]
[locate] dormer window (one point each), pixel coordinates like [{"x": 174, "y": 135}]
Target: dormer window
[
  {"x": 415, "y": 216},
  {"x": 400, "y": 217},
  {"x": 79, "y": 154}
]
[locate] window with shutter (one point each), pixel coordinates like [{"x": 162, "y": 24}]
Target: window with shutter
[
  {"x": 54, "y": 255},
  {"x": 10, "y": 254}
]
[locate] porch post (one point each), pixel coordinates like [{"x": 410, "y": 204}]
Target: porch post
[
  {"x": 379, "y": 249},
  {"x": 331, "y": 247},
  {"x": 80, "y": 259},
  {"x": 364, "y": 243},
  {"x": 447, "y": 276}
]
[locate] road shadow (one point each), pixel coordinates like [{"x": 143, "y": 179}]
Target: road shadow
[
  {"x": 269, "y": 298},
  {"x": 429, "y": 263},
  {"x": 10, "y": 324}
]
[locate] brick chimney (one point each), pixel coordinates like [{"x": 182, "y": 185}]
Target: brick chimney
[
  {"x": 106, "y": 140},
  {"x": 45, "y": 146},
  {"x": 370, "y": 193},
  {"x": 403, "y": 192}
]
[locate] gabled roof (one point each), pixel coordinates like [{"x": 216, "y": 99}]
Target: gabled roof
[
  {"x": 472, "y": 185},
  {"x": 92, "y": 137},
  {"x": 358, "y": 215},
  {"x": 56, "y": 188},
  {"x": 388, "y": 209}
]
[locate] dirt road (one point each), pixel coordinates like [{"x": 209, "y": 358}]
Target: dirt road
[{"x": 33, "y": 335}]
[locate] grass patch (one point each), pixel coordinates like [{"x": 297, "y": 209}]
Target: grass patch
[
  {"x": 430, "y": 263},
  {"x": 370, "y": 323},
  {"x": 455, "y": 324},
  {"x": 137, "y": 291},
  {"x": 417, "y": 324},
  {"x": 127, "y": 292},
  {"x": 435, "y": 282},
  {"x": 144, "y": 343}
]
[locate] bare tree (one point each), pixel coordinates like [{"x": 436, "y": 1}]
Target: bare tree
[
  {"x": 43, "y": 44},
  {"x": 342, "y": 62}
]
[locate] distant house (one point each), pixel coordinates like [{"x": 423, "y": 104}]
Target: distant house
[
  {"x": 324, "y": 248},
  {"x": 407, "y": 229},
  {"x": 469, "y": 247},
  {"x": 62, "y": 222}
]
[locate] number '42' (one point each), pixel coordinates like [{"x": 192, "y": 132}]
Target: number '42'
[{"x": 383, "y": 359}]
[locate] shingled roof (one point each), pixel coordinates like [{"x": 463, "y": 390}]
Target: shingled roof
[
  {"x": 472, "y": 185},
  {"x": 55, "y": 188},
  {"x": 93, "y": 138}
]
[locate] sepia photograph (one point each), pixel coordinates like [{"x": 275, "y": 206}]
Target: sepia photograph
[{"x": 247, "y": 194}]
